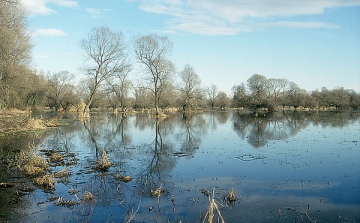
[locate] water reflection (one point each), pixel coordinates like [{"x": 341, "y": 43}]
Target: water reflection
[{"x": 183, "y": 153}]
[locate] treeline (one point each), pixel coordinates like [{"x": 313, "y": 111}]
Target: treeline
[
  {"x": 107, "y": 74},
  {"x": 260, "y": 92}
]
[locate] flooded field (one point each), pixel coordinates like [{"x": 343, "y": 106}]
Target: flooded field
[{"x": 287, "y": 167}]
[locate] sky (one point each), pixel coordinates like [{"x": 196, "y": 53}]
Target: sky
[{"x": 313, "y": 43}]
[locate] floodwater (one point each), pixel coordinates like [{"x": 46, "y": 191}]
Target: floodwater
[{"x": 287, "y": 167}]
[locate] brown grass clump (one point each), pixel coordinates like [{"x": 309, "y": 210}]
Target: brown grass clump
[
  {"x": 62, "y": 173},
  {"x": 32, "y": 164},
  {"x": 104, "y": 164},
  {"x": 231, "y": 196},
  {"x": 34, "y": 124},
  {"x": 123, "y": 178},
  {"x": 45, "y": 182},
  {"x": 87, "y": 197},
  {"x": 56, "y": 158},
  {"x": 212, "y": 207}
]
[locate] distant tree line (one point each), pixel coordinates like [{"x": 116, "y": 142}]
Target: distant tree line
[
  {"x": 110, "y": 62},
  {"x": 260, "y": 92}
]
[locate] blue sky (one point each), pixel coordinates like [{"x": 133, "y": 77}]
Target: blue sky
[{"x": 310, "y": 42}]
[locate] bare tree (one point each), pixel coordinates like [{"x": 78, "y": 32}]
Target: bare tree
[
  {"x": 120, "y": 87},
  {"x": 189, "y": 87},
  {"x": 151, "y": 51},
  {"x": 15, "y": 50},
  {"x": 212, "y": 94},
  {"x": 106, "y": 53},
  {"x": 61, "y": 93}
]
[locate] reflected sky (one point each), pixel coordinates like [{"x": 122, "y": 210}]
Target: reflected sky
[{"x": 276, "y": 164}]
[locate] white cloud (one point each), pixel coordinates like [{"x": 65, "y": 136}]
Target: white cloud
[
  {"x": 41, "y": 7},
  {"x": 48, "y": 32},
  {"x": 303, "y": 25},
  {"x": 228, "y": 17},
  {"x": 97, "y": 13}
]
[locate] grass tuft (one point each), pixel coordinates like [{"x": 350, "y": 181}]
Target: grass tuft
[
  {"x": 213, "y": 209},
  {"x": 45, "y": 182},
  {"x": 104, "y": 164}
]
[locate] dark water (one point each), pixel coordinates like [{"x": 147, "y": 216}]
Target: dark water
[{"x": 292, "y": 167}]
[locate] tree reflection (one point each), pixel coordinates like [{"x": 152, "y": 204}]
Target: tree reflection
[
  {"x": 158, "y": 162},
  {"x": 260, "y": 130},
  {"x": 193, "y": 127}
]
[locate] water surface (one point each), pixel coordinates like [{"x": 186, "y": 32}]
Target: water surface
[{"x": 287, "y": 167}]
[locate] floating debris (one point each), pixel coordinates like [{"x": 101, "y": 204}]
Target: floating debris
[
  {"x": 205, "y": 192},
  {"x": 123, "y": 178},
  {"x": 250, "y": 157}
]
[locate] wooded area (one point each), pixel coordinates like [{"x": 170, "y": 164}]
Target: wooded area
[{"x": 107, "y": 77}]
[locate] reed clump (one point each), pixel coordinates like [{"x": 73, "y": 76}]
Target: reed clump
[
  {"x": 32, "y": 164},
  {"x": 123, "y": 178},
  {"x": 45, "y": 182},
  {"x": 213, "y": 209},
  {"x": 62, "y": 173},
  {"x": 87, "y": 197},
  {"x": 103, "y": 164},
  {"x": 55, "y": 157}
]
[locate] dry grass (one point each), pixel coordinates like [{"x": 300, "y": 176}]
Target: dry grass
[
  {"x": 87, "y": 197},
  {"x": 45, "y": 182},
  {"x": 231, "y": 196},
  {"x": 103, "y": 164},
  {"x": 213, "y": 209},
  {"x": 55, "y": 157},
  {"x": 62, "y": 173},
  {"x": 34, "y": 124},
  {"x": 123, "y": 178},
  {"x": 31, "y": 164}
]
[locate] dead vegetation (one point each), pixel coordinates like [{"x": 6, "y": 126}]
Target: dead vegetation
[
  {"x": 213, "y": 209},
  {"x": 103, "y": 164},
  {"x": 123, "y": 178},
  {"x": 230, "y": 197},
  {"x": 13, "y": 121},
  {"x": 45, "y": 182},
  {"x": 31, "y": 164}
]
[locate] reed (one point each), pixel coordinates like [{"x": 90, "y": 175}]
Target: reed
[
  {"x": 213, "y": 209},
  {"x": 45, "y": 182}
]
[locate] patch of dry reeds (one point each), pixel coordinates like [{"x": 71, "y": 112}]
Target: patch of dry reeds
[
  {"x": 62, "y": 173},
  {"x": 35, "y": 124},
  {"x": 45, "y": 182},
  {"x": 55, "y": 157},
  {"x": 87, "y": 197},
  {"x": 31, "y": 164},
  {"x": 123, "y": 178},
  {"x": 213, "y": 208},
  {"x": 103, "y": 164}
]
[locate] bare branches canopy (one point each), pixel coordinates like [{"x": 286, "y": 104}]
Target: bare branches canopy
[{"x": 106, "y": 53}]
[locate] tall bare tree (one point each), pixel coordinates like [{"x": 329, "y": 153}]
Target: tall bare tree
[
  {"x": 189, "y": 87},
  {"x": 15, "y": 49},
  {"x": 61, "y": 93},
  {"x": 212, "y": 92},
  {"x": 106, "y": 53},
  {"x": 152, "y": 51}
]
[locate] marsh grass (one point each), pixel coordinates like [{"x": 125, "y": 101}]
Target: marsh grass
[
  {"x": 230, "y": 198},
  {"x": 213, "y": 209},
  {"x": 55, "y": 157},
  {"x": 62, "y": 173},
  {"x": 46, "y": 182},
  {"x": 103, "y": 164},
  {"x": 31, "y": 164}
]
